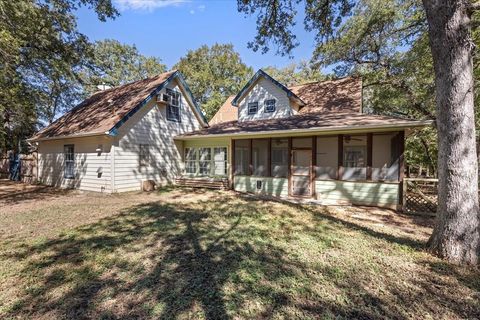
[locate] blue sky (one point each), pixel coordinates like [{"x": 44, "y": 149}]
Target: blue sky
[{"x": 169, "y": 28}]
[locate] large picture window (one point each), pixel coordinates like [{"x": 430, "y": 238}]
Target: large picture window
[
  {"x": 206, "y": 161},
  {"x": 69, "y": 161},
  {"x": 173, "y": 107}
]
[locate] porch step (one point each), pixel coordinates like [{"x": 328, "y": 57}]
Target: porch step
[{"x": 221, "y": 184}]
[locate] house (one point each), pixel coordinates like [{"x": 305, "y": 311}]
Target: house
[{"x": 310, "y": 141}]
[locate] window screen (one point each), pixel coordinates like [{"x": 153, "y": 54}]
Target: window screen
[
  {"x": 354, "y": 157},
  {"x": 69, "y": 159},
  {"x": 260, "y": 157},
  {"x": 327, "y": 158},
  {"x": 242, "y": 157},
  {"x": 385, "y": 157},
  {"x": 279, "y": 158}
]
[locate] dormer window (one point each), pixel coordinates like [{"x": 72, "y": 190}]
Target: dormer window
[
  {"x": 270, "y": 105},
  {"x": 252, "y": 107},
  {"x": 173, "y": 107}
]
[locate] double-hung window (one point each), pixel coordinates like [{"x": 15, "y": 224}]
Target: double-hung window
[
  {"x": 191, "y": 160},
  {"x": 69, "y": 161},
  {"x": 252, "y": 107},
  {"x": 205, "y": 157},
  {"x": 173, "y": 107},
  {"x": 220, "y": 161},
  {"x": 144, "y": 155},
  {"x": 270, "y": 105}
]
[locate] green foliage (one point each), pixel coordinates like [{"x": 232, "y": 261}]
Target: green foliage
[
  {"x": 115, "y": 64},
  {"x": 214, "y": 73},
  {"x": 295, "y": 74},
  {"x": 41, "y": 52}
]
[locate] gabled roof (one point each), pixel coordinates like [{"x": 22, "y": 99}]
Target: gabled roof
[
  {"x": 306, "y": 123},
  {"x": 253, "y": 80},
  {"x": 338, "y": 95},
  {"x": 227, "y": 112},
  {"x": 106, "y": 111}
]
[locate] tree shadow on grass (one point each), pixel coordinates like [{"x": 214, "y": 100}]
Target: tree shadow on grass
[{"x": 219, "y": 258}]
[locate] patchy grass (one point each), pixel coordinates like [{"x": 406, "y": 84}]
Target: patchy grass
[{"x": 217, "y": 255}]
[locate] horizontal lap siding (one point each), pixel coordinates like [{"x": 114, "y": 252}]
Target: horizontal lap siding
[
  {"x": 150, "y": 126},
  {"x": 366, "y": 193},
  {"x": 88, "y": 164},
  {"x": 277, "y": 187}
]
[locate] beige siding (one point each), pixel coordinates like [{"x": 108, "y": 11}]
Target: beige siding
[
  {"x": 277, "y": 187},
  {"x": 92, "y": 168},
  {"x": 355, "y": 192},
  {"x": 150, "y": 126},
  {"x": 262, "y": 90}
]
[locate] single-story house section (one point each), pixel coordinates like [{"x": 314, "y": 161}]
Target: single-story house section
[{"x": 310, "y": 141}]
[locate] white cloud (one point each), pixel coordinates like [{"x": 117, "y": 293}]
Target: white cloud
[
  {"x": 192, "y": 11},
  {"x": 148, "y": 5},
  {"x": 201, "y": 7}
]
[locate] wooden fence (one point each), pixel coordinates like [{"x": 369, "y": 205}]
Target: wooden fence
[
  {"x": 28, "y": 167},
  {"x": 420, "y": 196}
]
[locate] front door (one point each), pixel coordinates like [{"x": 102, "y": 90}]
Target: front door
[{"x": 300, "y": 173}]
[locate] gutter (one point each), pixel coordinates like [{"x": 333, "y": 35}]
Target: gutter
[
  {"x": 309, "y": 131},
  {"x": 80, "y": 135}
]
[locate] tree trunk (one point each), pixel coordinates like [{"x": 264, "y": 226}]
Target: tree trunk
[{"x": 456, "y": 235}]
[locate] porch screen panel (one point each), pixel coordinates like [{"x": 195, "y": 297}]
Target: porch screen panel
[
  {"x": 279, "y": 161},
  {"x": 354, "y": 157},
  {"x": 260, "y": 157},
  {"x": 242, "y": 157},
  {"x": 302, "y": 143},
  {"x": 327, "y": 158},
  {"x": 385, "y": 157}
]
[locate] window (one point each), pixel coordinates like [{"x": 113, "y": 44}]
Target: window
[
  {"x": 173, "y": 108},
  {"x": 220, "y": 161},
  {"x": 270, "y": 105},
  {"x": 205, "y": 157},
  {"x": 69, "y": 159},
  {"x": 354, "y": 157},
  {"x": 190, "y": 160},
  {"x": 279, "y": 158},
  {"x": 206, "y": 161},
  {"x": 252, "y": 107},
  {"x": 144, "y": 155}
]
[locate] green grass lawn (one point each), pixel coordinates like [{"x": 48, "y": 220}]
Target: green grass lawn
[{"x": 216, "y": 255}]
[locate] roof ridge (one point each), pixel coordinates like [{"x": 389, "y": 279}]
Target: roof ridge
[{"x": 320, "y": 81}]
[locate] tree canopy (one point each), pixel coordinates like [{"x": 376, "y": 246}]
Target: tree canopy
[
  {"x": 295, "y": 73},
  {"x": 214, "y": 73}
]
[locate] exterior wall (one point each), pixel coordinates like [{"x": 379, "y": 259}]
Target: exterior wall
[
  {"x": 356, "y": 192},
  {"x": 277, "y": 187},
  {"x": 92, "y": 168},
  {"x": 262, "y": 90},
  {"x": 150, "y": 126}
]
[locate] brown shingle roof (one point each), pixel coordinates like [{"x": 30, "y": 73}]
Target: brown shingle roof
[
  {"x": 334, "y": 95},
  {"x": 307, "y": 121},
  {"x": 102, "y": 110},
  {"x": 227, "y": 112}
]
